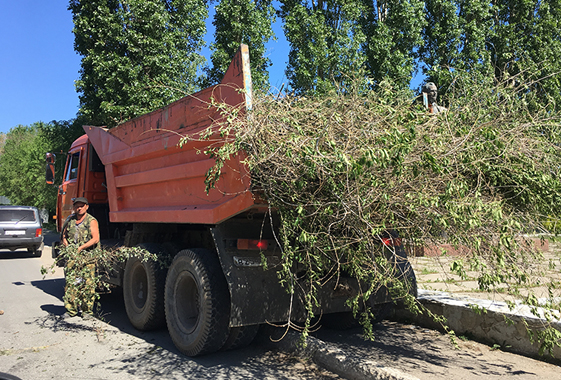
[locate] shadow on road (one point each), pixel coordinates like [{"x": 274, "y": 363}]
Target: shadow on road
[
  {"x": 159, "y": 353},
  {"x": 54, "y": 309},
  {"x": 392, "y": 340},
  {"x": 54, "y": 287},
  {"x": 111, "y": 310},
  {"x": 6, "y": 254}
]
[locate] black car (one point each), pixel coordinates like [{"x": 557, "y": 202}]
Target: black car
[{"x": 21, "y": 227}]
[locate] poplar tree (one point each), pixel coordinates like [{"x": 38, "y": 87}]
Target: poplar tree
[
  {"x": 325, "y": 39},
  {"x": 393, "y": 30},
  {"x": 457, "y": 39},
  {"x": 526, "y": 46},
  {"x": 242, "y": 21},
  {"x": 137, "y": 55},
  {"x": 506, "y": 40}
]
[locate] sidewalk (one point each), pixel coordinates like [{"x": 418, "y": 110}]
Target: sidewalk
[
  {"x": 487, "y": 316},
  {"x": 434, "y": 273}
]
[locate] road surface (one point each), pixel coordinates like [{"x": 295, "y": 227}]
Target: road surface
[{"x": 36, "y": 343}]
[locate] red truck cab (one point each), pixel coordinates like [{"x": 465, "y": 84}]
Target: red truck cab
[{"x": 84, "y": 176}]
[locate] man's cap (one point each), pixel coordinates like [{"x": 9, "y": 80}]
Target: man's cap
[
  {"x": 430, "y": 86},
  {"x": 80, "y": 199}
]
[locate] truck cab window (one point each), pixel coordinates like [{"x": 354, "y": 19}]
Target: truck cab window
[
  {"x": 72, "y": 167},
  {"x": 95, "y": 164}
]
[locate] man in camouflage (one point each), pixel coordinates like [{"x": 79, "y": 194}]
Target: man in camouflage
[
  {"x": 80, "y": 229},
  {"x": 430, "y": 93}
]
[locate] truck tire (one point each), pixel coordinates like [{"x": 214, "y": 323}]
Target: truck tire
[
  {"x": 197, "y": 302},
  {"x": 240, "y": 337},
  {"x": 143, "y": 291}
]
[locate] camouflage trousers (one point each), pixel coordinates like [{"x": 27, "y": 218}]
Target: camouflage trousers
[{"x": 79, "y": 292}]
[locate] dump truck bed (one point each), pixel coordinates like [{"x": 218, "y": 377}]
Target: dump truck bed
[{"x": 151, "y": 179}]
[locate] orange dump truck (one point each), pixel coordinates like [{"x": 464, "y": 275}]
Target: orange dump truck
[{"x": 146, "y": 190}]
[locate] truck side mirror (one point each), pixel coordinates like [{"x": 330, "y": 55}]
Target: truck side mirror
[{"x": 50, "y": 172}]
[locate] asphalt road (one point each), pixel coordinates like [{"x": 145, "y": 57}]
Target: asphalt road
[{"x": 35, "y": 343}]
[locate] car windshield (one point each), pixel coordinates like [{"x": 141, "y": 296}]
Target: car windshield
[{"x": 17, "y": 216}]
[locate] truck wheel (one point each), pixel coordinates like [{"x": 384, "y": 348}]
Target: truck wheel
[
  {"x": 143, "y": 291},
  {"x": 240, "y": 337},
  {"x": 197, "y": 302}
]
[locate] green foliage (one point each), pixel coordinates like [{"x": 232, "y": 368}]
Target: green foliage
[
  {"x": 137, "y": 55},
  {"x": 393, "y": 36},
  {"x": 247, "y": 22},
  {"x": 325, "y": 37},
  {"x": 336, "y": 40},
  {"x": 22, "y": 167},
  {"x": 81, "y": 280},
  {"x": 22, "y": 162},
  {"x": 548, "y": 338},
  {"x": 553, "y": 225},
  {"x": 527, "y": 39},
  {"x": 456, "y": 37},
  {"x": 509, "y": 41}
]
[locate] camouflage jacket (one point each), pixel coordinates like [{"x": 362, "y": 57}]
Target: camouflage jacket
[{"x": 78, "y": 233}]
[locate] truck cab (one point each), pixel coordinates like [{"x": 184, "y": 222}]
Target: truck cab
[{"x": 84, "y": 176}]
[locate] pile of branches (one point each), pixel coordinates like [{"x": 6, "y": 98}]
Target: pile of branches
[
  {"x": 341, "y": 169},
  {"x": 86, "y": 272}
]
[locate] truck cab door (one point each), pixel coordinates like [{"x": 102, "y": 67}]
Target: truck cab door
[{"x": 70, "y": 185}]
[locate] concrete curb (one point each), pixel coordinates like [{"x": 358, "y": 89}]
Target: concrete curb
[
  {"x": 494, "y": 323},
  {"x": 483, "y": 320},
  {"x": 332, "y": 358}
]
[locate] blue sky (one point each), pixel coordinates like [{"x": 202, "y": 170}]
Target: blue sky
[{"x": 38, "y": 65}]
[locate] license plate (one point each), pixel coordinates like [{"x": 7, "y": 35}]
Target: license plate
[{"x": 14, "y": 232}]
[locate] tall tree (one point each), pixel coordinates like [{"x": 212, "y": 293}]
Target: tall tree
[
  {"x": 137, "y": 55},
  {"x": 514, "y": 40},
  {"x": 22, "y": 167},
  {"x": 393, "y": 30},
  {"x": 325, "y": 39},
  {"x": 242, "y": 21},
  {"x": 527, "y": 41},
  {"x": 456, "y": 38},
  {"x": 22, "y": 162},
  {"x": 442, "y": 40}
]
